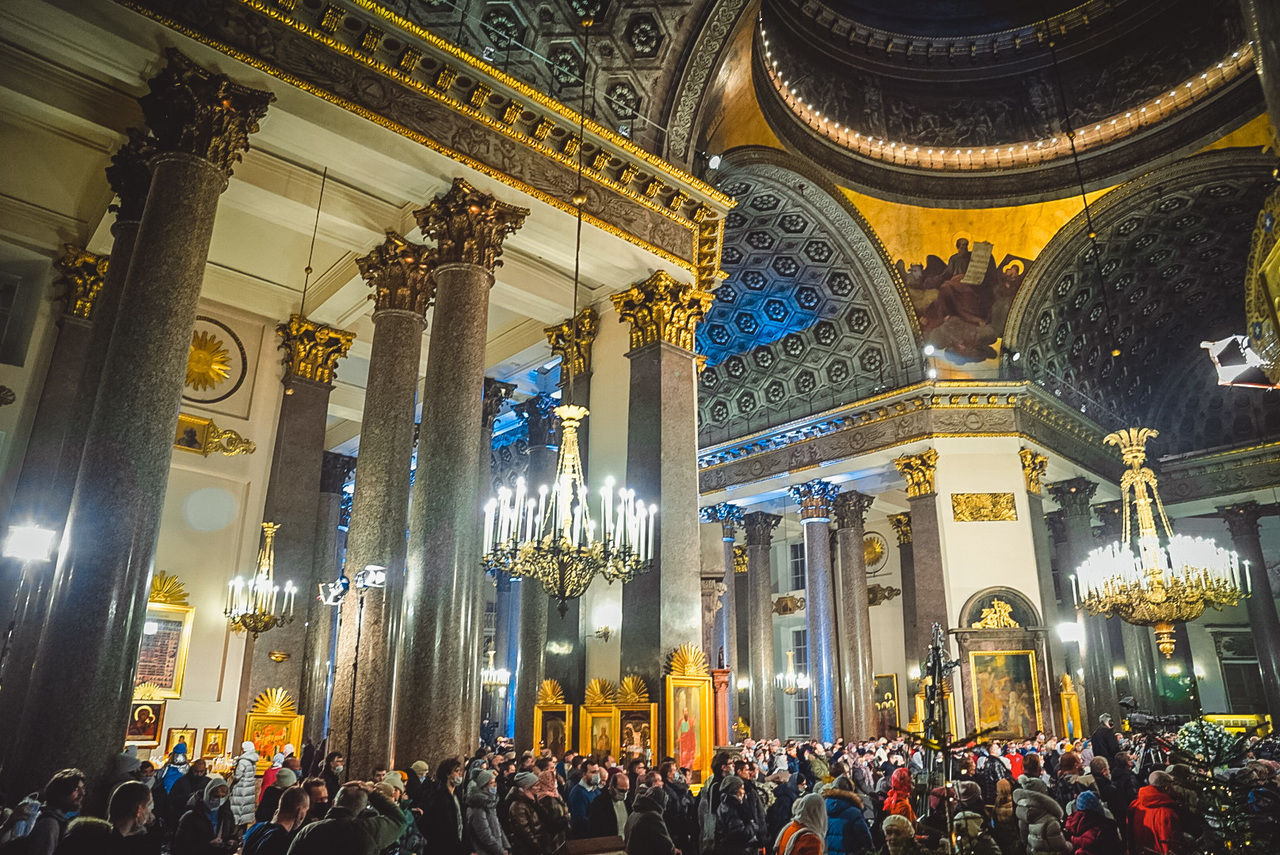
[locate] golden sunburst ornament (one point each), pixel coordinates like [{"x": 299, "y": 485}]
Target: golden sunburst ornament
[
  {"x": 550, "y": 693},
  {"x": 688, "y": 660},
  {"x": 633, "y": 690},
  {"x": 208, "y": 362},
  {"x": 599, "y": 693},
  {"x": 275, "y": 701},
  {"x": 166, "y": 589}
]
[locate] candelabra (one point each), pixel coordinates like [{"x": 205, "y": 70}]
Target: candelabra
[{"x": 256, "y": 605}]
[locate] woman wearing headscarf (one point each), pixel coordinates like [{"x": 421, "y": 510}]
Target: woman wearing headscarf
[
  {"x": 806, "y": 833},
  {"x": 898, "y": 800}
]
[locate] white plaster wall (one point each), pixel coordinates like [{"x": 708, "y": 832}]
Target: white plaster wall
[{"x": 25, "y": 380}]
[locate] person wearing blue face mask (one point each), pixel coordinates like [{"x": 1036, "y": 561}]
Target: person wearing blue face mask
[{"x": 207, "y": 828}]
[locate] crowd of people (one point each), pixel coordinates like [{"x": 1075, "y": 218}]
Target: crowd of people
[{"x": 1112, "y": 794}]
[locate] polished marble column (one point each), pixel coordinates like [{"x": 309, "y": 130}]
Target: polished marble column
[
  {"x": 1074, "y": 497},
  {"x": 531, "y": 662},
  {"x": 660, "y": 608},
  {"x": 360, "y": 713},
  {"x": 725, "y": 652},
  {"x": 312, "y": 352},
  {"x": 853, "y": 615},
  {"x": 438, "y": 700},
  {"x": 1242, "y": 520},
  {"x": 815, "y": 499},
  {"x": 759, "y": 528},
  {"x": 507, "y": 601},
  {"x": 322, "y": 618},
  {"x": 910, "y": 634},
  {"x": 928, "y": 583},
  {"x": 202, "y": 122}
]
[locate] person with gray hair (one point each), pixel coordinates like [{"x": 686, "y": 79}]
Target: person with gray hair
[
  {"x": 349, "y": 829},
  {"x": 899, "y": 836}
]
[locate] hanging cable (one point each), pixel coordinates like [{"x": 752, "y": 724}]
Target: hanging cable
[
  {"x": 579, "y": 199},
  {"x": 315, "y": 227}
]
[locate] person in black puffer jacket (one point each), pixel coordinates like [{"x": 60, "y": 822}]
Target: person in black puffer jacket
[{"x": 736, "y": 829}]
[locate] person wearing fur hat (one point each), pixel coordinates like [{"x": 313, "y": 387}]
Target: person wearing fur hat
[
  {"x": 847, "y": 829},
  {"x": 208, "y": 827},
  {"x": 244, "y": 785},
  {"x": 1091, "y": 829},
  {"x": 1039, "y": 819}
]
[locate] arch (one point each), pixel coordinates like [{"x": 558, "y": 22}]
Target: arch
[
  {"x": 1024, "y": 612},
  {"x": 812, "y": 314},
  {"x": 1173, "y": 246}
]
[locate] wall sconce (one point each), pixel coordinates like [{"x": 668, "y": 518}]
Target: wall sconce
[
  {"x": 604, "y": 633},
  {"x": 744, "y": 683}
]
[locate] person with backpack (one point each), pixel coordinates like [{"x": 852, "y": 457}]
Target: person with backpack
[
  {"x": 63, "y": 797},
  {"x": 274, "y": 837}
]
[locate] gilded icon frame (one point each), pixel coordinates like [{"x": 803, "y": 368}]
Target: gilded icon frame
[
  {"x": 540, "y": 712},
  {"x": 894, "y": 703},
  {"x": 150, "y": 736},
  {"x": 168, "y": 611},
  {"x": 216, "y": 749},
  {"x": 588, "y": 717},
  {"x": 269, "y": 734},
  {"x": 174, "y": 735},
  {"x": 705, "y": 737},
  {"x": 1032, "y": 664},
  {"x": 629, "y": 713}
]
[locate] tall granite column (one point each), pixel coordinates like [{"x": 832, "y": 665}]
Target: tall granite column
[
  {"x": 438, "y": 707},
  {"x": 711, "y": 602},
  {"x": 929, "y": 586},
  {"x": 80, "y": 691},
  {"x": 321, "y": 618},
  {"x": 530, "y": 664},
  {"x": 1137, "y": 648},
  {"x": 660, "y": 609},
  {"x": 764, "y": 711},
  {"x": 311, "y": 354},
  {"x": 1242, "y": 520},
  {"x": 815, "y": 499},
  {"x": 726, "y": 637},
  {"x": 910, "y": 629},
  {"x": 506, "y": 612},
  {"x": 43, "y": 496},
  {"x": 360, "y": 712},
  {"x": 853, "y": 616},
  {"x": 1073, "y": 497},
  {"x": 1033, "y": 467}
]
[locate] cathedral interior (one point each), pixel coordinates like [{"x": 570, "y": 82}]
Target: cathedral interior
[{"x": 887, "y": 316}]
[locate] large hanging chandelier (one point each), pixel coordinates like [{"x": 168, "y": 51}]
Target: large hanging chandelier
[
  {"x": 791, "y": 681},
  {"x": 258, "y": 604},
  {"x": 493, "y": 677},
  {"x": 1167, "y": 580},
  {"x": 553, "y": 538}
]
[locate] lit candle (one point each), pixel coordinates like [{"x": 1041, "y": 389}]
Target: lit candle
[
  {"x": 529, "y": 518},
  {"x": 577, "y": 522},
  {"x": 653, "y": 512},
  {"x": 490, "y": 507},
  {"x": 542, "y": 501}
]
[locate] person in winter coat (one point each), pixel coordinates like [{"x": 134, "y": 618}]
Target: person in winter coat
[
  {"x": 188, "y": 784},
  {"x": 524, "y": 827},
  {"x": 349, "y": 828},
  {"x": 806, "y": 834},
  {"x": 646, "y": 832},
  {"x": 1066, "y": 784},
  {"x": 607, "y": 815},
  {"x": 679, "y": 811},
  {"x": 244, "y": 785},
  {"x": 1154, "y": 823},
  {"x": 63, "y": 795},
  {"x": 208, "y": 827},
  {"x": 897, "y": 802},
  {"x": 483, "y": 829},
  {"x": 1040, "y": 819},
  {"x": 972, "y": 834},
  {"x": 847, "y": 829},
  {"x": 442, "y": 820},
  {"x": 275, "y": 836},
  {"x": 785, "y": 793},
  {"x": 270, "y": 799},
  {"x": 1004, "y": 821},
  {"x": 1092, "y": 832},
  {"x": 736, "y": 830}
]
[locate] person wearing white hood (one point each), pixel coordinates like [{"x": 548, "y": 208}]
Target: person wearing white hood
[
  {"x": 244, "y": 790},
  {"x": 207, "y": 827},
  {"x": 806, "y": 834}
]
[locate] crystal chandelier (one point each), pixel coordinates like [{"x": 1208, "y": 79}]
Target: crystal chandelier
[
  {"x": 492, "y": 676},
  {"x": 257, "y": 604},
  {"x": 1167, "y": 580},
  {"x": 553, "y": 539},
  {"x": 789, "y": 681}
]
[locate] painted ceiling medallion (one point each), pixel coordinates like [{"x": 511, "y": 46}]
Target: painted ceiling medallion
[
  {"x": 208, "y": 363},
  {"x": 874, "y": 550}
]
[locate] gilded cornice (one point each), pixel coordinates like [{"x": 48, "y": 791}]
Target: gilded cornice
[
  {"x": 571, "y": 340},
  {"x": 469, "y": 226},
  {"x": 662, "y": 309},
  {"x": 918, "y": 470},
  {"x": 1222, "y": 473},
  {"x": 81, "y": 273},
  {"x": 451, "y": 113},
  {"x": 312, "y": 350},
  {"x": 400, "y": 274}
]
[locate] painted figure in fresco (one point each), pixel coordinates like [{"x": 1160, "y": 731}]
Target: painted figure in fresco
[
  {"x": 553, "y": 736},
  {"x": 686, "y": 735}
]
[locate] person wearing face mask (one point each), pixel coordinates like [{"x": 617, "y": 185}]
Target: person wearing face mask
[
  {"x": 208, "y": 827},
  {"x": 332, "y": 774},
  {"x": 580, "y": 799},
  {"x": 130, "y": 812},
  {"x": 418, "y": 787},
  {"x": 646, "y": 831},
  {"x": 441, "y": 822},
  {"x": 678, "y": 811},
  {"x": 607, "y": 816},
  {"x": 483, "y": 829},
  {"x": 318, "y": 794}
]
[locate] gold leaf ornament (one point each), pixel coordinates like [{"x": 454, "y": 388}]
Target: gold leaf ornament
[
  {"x": 633, "y": 690},
  {"x": 688, "y": 660},
  {"x": 275, "y": 701},
  {"x": 167, "y": 589},
  {"x": 146, "y": 692},
  {"x": 599, "y": 693},
  {"x": 550, "y": 693},
  {"x": 208, "y": 361}
]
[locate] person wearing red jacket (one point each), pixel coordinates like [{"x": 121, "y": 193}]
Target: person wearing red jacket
[
  {"x": 898, "y": 800},
  {"x": 1154, "y": 824},
  {"x": 1091, "y": 830}
]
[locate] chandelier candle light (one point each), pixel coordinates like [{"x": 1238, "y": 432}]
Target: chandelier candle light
[
  {"x": 1166, "y": 580},
  {"x": 791, "y": 682},
  {"x": 252, "y": 604}
]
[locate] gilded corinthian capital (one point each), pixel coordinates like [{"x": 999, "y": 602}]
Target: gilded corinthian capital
[
  {"x": 400, "y": 274},
  {"x": 469, "y": 226},
  {"x": 919, "y": 470},
  {"x": 194, "y": 111},
  {"x": 130, "y": 175},
  {"x": 572, "y": 340},
  {"x": 1033, "y": 466},
  {"x": 81, "y": 274},
  {"x": 312, "y": 350},
  {"x": 662, "y": 309}
]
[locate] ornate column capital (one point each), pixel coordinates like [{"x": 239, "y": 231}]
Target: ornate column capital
[
  {"x": 815, "y": 499},
  {"x": 759, "y": 526},
  {"x": 495, "y": 394},
  {"x": 539, "y": 415},
  {"x": 739, "y": 559},
  {"x": 1242, "y": 519},
  {"x": 1073, "y": 495},
  {"x": 469, "y": 226},
  {"x": 728, "y": 515},
  {"x": 312, "y": 350},
  {"x": 1033, "y": 465},
  {"x": 901, "y": 527},
  {"x": 400, "y": 274},
  {"x": 129, "y": 175},
  {"x": 662, "y": 309},
  {"x": 851, "y": 508},
  {"x": 1111, "y": 515},
  {"x": 82, "y": 274},
  {"x": 919, "y": 470},
  {"x": 571, "y": 340},
  {"x": 195, "y": 111},
  {"x": 1057, "y": 526},
  {"x": 335, "y": 471}
]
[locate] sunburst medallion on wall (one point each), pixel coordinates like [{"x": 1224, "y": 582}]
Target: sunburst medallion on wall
[
  {"x": 874, "y": 551},
  {"x": 216, "y": 363}
]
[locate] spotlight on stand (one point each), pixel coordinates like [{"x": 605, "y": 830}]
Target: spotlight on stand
[
  {"x": 713, "y": 162},
  {"x": 29, "y": 543},
  {"x": 1237, "y": 363}
]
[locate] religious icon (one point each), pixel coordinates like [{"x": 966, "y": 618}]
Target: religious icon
[
  {"x": 180, "y": 735},
  {"x": 689, "y": 725},
  {"x": 1006, "y": 692},
  {"x": 635, "y": 727},
  {"x": 215, "y": 742},
  {"x": 886, "y": 695},
  {"x": 145, "y": 721},
  {"x": 554, "y": 732}
]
